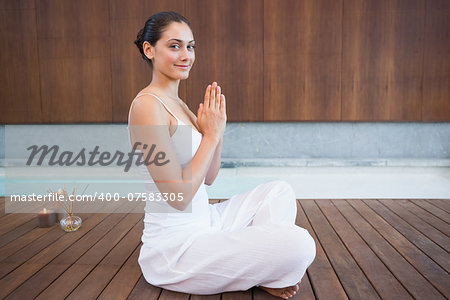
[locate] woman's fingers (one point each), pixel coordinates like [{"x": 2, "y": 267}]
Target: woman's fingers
[
  {"x": 218, "y": 98},
  {"x": 223, "y": 108},
  {"x": 207, "y": 96},
  {"x": 212, "y": 97}
]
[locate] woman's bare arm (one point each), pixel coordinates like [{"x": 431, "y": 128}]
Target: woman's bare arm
[
  {"x": 149, "y": 126},
  {"x": 215, "y": 164}
]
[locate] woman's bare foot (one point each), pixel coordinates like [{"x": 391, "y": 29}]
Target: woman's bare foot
[{"x": 285, "y": 293}]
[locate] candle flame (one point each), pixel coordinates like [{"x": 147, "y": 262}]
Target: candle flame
[{"x": 45, "y": 210}]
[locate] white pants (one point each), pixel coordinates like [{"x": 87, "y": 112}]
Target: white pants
[{"x": 256, "y": 243}]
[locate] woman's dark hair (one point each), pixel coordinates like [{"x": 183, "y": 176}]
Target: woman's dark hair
[{"x": 154, "y": 28}]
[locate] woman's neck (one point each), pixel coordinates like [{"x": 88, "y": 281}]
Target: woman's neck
[{"x": 167, "y": 87}]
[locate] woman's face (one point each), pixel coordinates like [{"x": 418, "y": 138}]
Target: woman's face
[{"x": 173, "y": 54}]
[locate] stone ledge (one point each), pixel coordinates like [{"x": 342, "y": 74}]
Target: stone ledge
[
  {"x": 304, "y": 162},
  {"x": 322, "y": 162}
]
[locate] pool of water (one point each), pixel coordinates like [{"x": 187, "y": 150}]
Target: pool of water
[{"x": 307, "y": 182}]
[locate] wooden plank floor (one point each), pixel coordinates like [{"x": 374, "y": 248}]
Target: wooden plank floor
[{"x": 366, "y": 249}]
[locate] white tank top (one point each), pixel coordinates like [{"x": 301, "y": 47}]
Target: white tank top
[{"x": 157, "y": 224}]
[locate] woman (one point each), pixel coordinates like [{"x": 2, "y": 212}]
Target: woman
[{"x": 189, "y": 245}]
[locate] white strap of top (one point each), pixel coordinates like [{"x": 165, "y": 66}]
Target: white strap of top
[{"x": 159, "y": 101}]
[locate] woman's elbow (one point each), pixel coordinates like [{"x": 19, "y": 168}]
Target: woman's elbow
[{"x": 209, "y": 181}]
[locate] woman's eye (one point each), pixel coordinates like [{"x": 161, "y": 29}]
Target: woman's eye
[{"x": 177, "y": 46}]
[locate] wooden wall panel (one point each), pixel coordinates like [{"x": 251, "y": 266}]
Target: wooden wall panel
[
  {"x": 436, "y": 77},
  {"x": 229, "y": 50},
  {"x": 19, "y": 75},
  {"x": 130, "y": 73},
  {"x": 69, "y": 61},
  {"x": 75, "y": 63},
  {"x": 382, "y": 60},
  {"x": 302, "y": 60}
]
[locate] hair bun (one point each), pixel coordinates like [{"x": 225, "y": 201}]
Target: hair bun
[{"x": 139, "y": 38}]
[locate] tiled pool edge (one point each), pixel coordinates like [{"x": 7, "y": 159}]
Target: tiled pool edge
[
  {"x": 323, "y": 162},
  {"x": 300, "y": 162}
]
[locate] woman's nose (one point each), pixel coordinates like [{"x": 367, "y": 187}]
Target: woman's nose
[{"x": 184, "y": 54}]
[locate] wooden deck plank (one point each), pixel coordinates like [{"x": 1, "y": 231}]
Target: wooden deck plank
[
  {"x": 11, "y": 221},
  {"x": 144, "y": 291},
  {"x": 417, "y": 223},
  {"x": 35, "y": 258},
  {"x": 365, "y": 224},
  {"x": 171, "y": 295},
  {"x": 405, "y": 235},
  {"x": 34, "y": 275},
  {"x": 371, "y": 236},
  {"x": 305, "y": 291},
  {"x": 102, "y": 274},
  {"x": 404, "y": 260},
  {"x": 69, "y": 280},
  {"x": 238, "y": 295},
  {"x": 205, "y": 297},
  {"x": 378, "y": 274},
  {"x": 22, "y": 240},
  {"x": 125, "y": 279},
  {"x": 436, "y": 211},
  {"x": 426, "y": 216},
  {"x": 54, "y": 233},
  {"x": 440, "y": 203},
  {"x": 32, "y": 249},
  {"x": 324, "y": 280},
  {"x": 352, "y": 278},
  {"x": 32, "y": 258},
  {"x": 2, "y": 206},
  {"x": 17, "y": 232}
]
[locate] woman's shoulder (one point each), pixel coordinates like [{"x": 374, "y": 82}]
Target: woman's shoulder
[{"x": 146, "y": 109}]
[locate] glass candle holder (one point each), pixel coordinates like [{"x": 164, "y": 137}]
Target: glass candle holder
[
  {"x": 70, "y": 223},
  {"x": 46, "y": 218}
]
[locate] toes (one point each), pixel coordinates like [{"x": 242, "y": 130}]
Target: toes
[
  {"x": 293, "y": 289},
  {"x": 289, "y": 294}
]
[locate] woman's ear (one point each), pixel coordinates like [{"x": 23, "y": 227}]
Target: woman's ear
[{"x": 148, "y": 50}]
